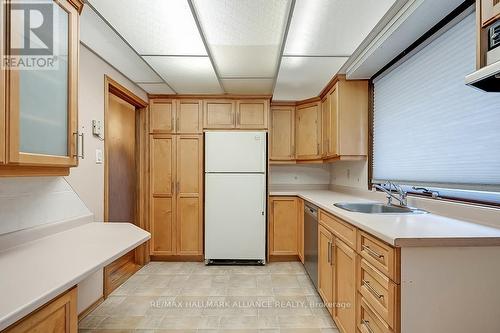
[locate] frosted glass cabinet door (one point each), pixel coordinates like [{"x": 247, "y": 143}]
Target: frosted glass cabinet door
[{"x": 43, "y": 106}]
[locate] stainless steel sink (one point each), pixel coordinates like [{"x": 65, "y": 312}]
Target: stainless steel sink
[{"x": 377, "y": 208}]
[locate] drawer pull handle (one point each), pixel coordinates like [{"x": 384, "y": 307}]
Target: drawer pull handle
[
  {"x": 372, "y": 253},
  {"x": 371, "y": 289},
  {"x": 366, "y": 323}
]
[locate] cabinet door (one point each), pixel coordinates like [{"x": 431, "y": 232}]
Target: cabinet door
[
  {"x": 325, "y": 267},
  {"x": 333, "y": 149},
  {"x": 308, "y": 132},
  {"x": 189, "y": 192},
  {"x": 219, "y": 114},
  {"x": 282, "y": 133},
  {"x": 162, "y": 205},
  {"x": 283, "y": 226},
  {"x": 189, "y": 117},
  {"x": 344, "y": 260},
  {"x": 490, "y": 11},
  {"x": 162, "y": 116},
  {"x": 325, "y": 126},
  {"x": 43, "y": 101},
  {"x": 252, "y": 114},
  {"x": 300, "y": 243},
  {"x": 58, "y": 316},
  {"x": 3, "y": 134}
]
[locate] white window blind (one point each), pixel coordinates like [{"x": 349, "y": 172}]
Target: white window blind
[{"x": 429, "y": 127}]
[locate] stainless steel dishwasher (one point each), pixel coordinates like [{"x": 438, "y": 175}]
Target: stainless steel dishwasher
[{"x": 311, "y": 241}]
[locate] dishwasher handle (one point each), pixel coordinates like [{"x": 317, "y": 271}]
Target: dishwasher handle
[{"x": 313, "y": 211}]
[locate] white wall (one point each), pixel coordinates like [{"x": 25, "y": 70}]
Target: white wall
[
  {"x": 310, "y": 174},
  {"x": 88, "y": 178},
  {"x": 349, "y": 173},
  {"x": 31, "y": 202}
]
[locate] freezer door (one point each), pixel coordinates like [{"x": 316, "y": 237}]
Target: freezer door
[
  {"x": 235, "y": 151},
  {"x": 235, "y": 222}
]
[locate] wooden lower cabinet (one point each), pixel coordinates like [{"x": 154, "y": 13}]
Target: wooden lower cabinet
[
  {"x": 344, "y": 286},
  {"x": 176, "y": 200},
  {"x": 325, "y": 267},
  {"x": 57, "y": 316},
  {"x": 283, "y": 226},
  {"x": 300, "y": 243},
  {"x": 357, "y": 278}
]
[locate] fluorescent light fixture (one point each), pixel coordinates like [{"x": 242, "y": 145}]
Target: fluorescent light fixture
[
  {"x": 244, "y": 36},
  {"x": 332, "y": 27},
  {"x": 248, "y": 86},
  {"x": 304, "y": 77},
  {"x": 187, "y": 75},
  {"x": 157, "y": 27}
]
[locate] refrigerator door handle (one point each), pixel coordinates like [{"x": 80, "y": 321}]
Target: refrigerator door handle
[{"x": 264, "y": 199}]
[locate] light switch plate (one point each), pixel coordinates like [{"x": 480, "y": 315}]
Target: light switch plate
[
  {"x": 98, "y": 156},
  {"x": 96, "y": 127}
]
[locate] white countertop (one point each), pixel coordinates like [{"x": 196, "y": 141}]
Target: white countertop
[
  {"x": 402, "y": 229},
  {"x": 35, "y": 272}
]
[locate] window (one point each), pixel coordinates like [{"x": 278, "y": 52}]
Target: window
[{"x": 430, "y": 129}]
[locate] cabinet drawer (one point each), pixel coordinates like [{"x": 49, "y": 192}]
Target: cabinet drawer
[
  {"x": 380, "y": 292},
  {"x": 384, "y": 257},
  {"x": 368, "y": 321},
  {"x": 341, "y": 229}
]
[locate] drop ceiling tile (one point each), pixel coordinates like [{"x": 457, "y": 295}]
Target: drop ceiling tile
[
  {"x": 244, "y": 36},
  {"x": 187, "y": 75},
  {"x": 156, "y": 88},
  {"x": 332, "y": 27},
  {"x": 98, "y": 36},
  {"x": 154, "y": 26},
  {"x": 304, "y": 77},
  {"x": 248, "y": 86}
]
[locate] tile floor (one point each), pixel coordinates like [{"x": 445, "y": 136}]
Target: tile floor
[{"x": 192, "y": 297}]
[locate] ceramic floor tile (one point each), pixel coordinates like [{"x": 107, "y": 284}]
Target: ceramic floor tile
[{"x": 191, "y": 297}]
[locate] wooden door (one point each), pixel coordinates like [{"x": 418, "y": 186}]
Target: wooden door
[
  {"x": 325, "y": 267},
  {"x": 162, "y": 204},
  {"x": 325, "y": 125},
  {"x": 283, "y": 226},
  {"x": 333, "y": 149},
  {"x": 120, "y": 163},
  {"x": 252, "y": 114},
  {"x": 162, "y": 116},
  {"x": 219, "y": 114},
  {"x": 189, "y": 117},
  {"x": 58, "y": 316},
  {"x": 35, "y": 96},
  {"x": 308, "y": 131},
  {"x": 189, "y": 195},
  {"x": 282, "y": 133},
  {"x": 3, "y": 133},
  {"x": 344, "y": 260},
  {"x": 300, "y": 243}
]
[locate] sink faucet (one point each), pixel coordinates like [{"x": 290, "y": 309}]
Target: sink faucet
[{"x": 401, "y": 197}]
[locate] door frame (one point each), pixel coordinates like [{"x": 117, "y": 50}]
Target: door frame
[{"x": 141, "y": 149}]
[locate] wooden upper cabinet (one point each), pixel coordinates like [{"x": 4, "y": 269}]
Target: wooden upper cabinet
[
  {"x": 490, "y": 11},
  {"x": 350, "y": 117},
  {"x": 162, "y": 116},
  {"x": 58, "y": 316},
  {"x": 282, "y": 133},
  {"x": 189, "y": 195},
  {"x": 252, "y": 114},
  {"x": 42, "y": 103},
  {"x": 189, "y": 117},
  {"x": 308, "y": 131},
  {"x": 219, "y": 114},
  {"x": 283, "y": 226}
]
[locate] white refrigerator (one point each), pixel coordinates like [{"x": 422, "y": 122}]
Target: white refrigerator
[{"x": 235, "y": 195}]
